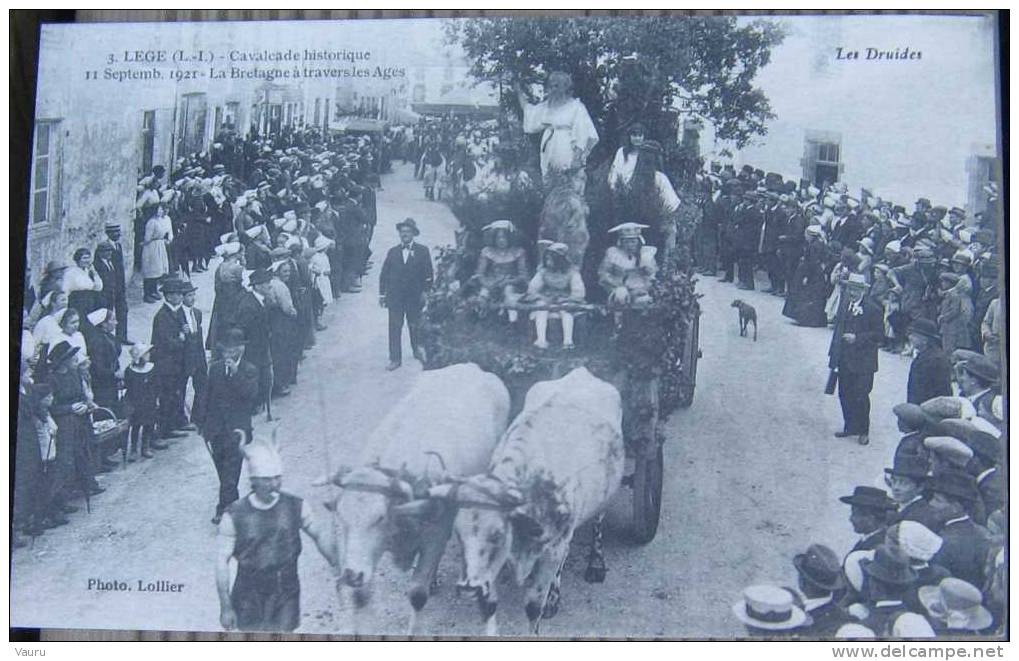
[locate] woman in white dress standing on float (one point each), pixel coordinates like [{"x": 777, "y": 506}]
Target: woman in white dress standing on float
[{"x": 567, "y": 133}]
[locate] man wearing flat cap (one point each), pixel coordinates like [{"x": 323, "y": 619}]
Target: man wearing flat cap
[
  {"x": 405, "y": 280},
  {"x": 853, "y": 355},
  {"x": 978, "y": 380},
  {"x": 930, "y": 373}
]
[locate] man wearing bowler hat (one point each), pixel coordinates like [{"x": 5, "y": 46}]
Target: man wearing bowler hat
[
  {"x": 169, "y": 338},
  {"x": 230, "y": 397},
  {"x": 196, "y": 367},
  {"x": 821, "y": 582},
  {"x": 853, "y": 354},
  {"x": 252, "y": 317},
  {"x": 889, "y": 582},
  {"x": 930, "y": 373},
  {"x": 907, "y": 479},
  {"x": 406, "y": 277},
  {"x": 965, "y": 544}
]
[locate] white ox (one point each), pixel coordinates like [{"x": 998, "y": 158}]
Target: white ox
[
  {"x": 557, "y": 466},
  {"x": 448, "y": 423}
]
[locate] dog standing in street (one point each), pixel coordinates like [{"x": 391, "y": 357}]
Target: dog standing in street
[{"x": 747, "y": 316}]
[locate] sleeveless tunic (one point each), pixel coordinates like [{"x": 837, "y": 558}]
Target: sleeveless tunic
[{"x": 266, "y": 592}]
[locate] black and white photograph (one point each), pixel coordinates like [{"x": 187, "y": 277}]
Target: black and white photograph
[{"x": 675, "y": 326}]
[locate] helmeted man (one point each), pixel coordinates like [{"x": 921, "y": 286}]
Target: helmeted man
[
  {"x": 628, "y": 267},
  {"x": 262, "y": 534}
]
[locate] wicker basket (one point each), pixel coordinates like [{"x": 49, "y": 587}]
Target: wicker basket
[{"x": 106, "y": 426}]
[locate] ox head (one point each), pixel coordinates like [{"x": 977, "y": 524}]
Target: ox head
[
  {"x": 365, "y": 520},
  {"x": 493, "y": 524}
]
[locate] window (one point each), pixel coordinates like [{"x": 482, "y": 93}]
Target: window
[
  {"x": 192, "y": 116},
  {"x": 45, "y": 172},
  {"x": 148, "y": 139},
  {"x": 828, "y": 152}
]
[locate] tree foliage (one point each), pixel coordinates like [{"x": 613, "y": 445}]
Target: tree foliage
[{"x": 651, "y": 68}]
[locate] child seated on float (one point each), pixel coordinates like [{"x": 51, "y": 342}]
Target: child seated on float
[{"x": 556, "y": 281}]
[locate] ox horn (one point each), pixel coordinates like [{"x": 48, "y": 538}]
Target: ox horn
[
  {"x": 336, "y": 479},
  {"x": 401, "y": 488},
  {"x": 440, "y": 491}
]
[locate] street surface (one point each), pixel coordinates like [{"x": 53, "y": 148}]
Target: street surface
[{"x": 752, "y": 476}]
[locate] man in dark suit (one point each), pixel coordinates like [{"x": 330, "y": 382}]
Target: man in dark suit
[
  {"x": 228, "y": 401},
  {"x": 930, "y": 373},
  {"x": 119, "y": 280},
  {"x": 859, "y": 329},
  {"x": 747, "y": 235},
  {"x": 406, "y": 277},
  {"x": 195, "y": 366},
  {"x": 252, "y": 318},
  {"x": 907, "y": 478},
  {"x": 168, "y": 343},
  {"x": 776, "y": 223},
  {"x": 965, "y": 544},
  {"x": 868, "y": 516}
]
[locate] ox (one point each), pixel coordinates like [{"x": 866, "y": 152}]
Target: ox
[
  {"x": 557, "y": 466},
  {"x": 449, "y": 422}
]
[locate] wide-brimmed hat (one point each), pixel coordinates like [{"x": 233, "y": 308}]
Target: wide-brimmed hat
[
  {"x": 112, "y": 227},
  {"x": 982, "y": 367},
  {"x": 63, "y": 351},
  {"x": 55, "y": 265},
  {"x": 908, "y": 465},
  {"x": 889, "y": 567},
  {"x": 410, "y": 224},
  {"x": 956, "y": 604},
  {"x": 628, "y": 230},
  {"x": 869, "y": 497},
  {"x": 924, "y": 327},
  {"x": 233, "y": 337},
  {"x": 915, "y": 539},
  {"x": 186, "y": 287},
  {"x": 506, "y": 225},
  {"x": 228, "y": 249},
  {"x": 769, "y": 607},
  {"x": 821, "y": 566}
]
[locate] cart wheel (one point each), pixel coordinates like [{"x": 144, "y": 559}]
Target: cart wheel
[
  {"x": 691, "y": 352},
  {"x": 647, "y": 496}
]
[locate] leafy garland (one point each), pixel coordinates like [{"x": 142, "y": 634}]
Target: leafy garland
[{"x": 644, "y": 344}]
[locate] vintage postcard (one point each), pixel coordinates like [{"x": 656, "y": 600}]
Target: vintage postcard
[{"x": 570, "y": 327}]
